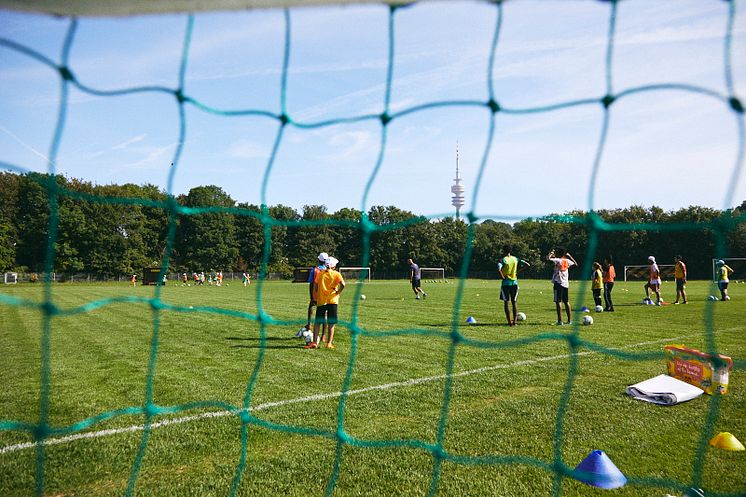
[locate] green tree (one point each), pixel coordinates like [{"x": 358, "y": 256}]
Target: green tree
[
  {"x": 310, "y": 240},
  {"x": 207, "y": 240}
]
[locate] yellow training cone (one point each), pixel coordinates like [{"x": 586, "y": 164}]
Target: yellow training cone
[{"x": 726, "y": 441}]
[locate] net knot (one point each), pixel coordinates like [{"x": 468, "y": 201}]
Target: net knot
[
  {"x": 50, "y": 309},
  {"x": 284, "y": 119},
  {"x": 608, "y": 100},
  {"x": 41, "y": 432},
  {"x": 385, "y": 118},
  {"x": 456, "y": 337},
  {"x": 66, "y": 73},
  {"x": 736, "y": 105},
  {"x": 439, "y": 453},
  {"x": 151, "y": 410},
  {"x": 574, "y": 340},
  {"x": 342, "y": 436},
  {"x": 472, "y": 217},
  {"x": 180, "y": 97},
  {"x": 493, "y": 105},
  {"x": 156, "y": 305}
]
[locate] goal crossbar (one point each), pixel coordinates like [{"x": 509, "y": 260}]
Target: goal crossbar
[
  {"x": 724, "y": 259},
  {"x": 361, "y": 270},
  {"x": 639, "y": 269}
]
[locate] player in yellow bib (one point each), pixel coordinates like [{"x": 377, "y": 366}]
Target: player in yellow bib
[
  {"x": 679, "y": 274},
  {"x": 328, "y": 284},
  {"x": 508, "y": 268},
  {"x": 723, "y": 271}
]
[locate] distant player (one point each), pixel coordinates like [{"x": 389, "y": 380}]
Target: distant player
[
  {"x": 654, "y": 282},
  {"x": 561, "y": 282},
  {"x": 680, "y": 276},
  {"x": 415, "y": 279},
  {"x": 608, "y": 278},
  {"x": 320, "y": 266},
  {"x": 201, "y": 279},
  {"x": 184, "y": 279},
  {"x": 597, "y": 283},
  {"x": 246, "y": 279},
  {"x": 134, "y": 279},
  {"x": 723, "y": 271},
  {"x": 508, "y": 268},
  {"x": 329, "y": 285}
]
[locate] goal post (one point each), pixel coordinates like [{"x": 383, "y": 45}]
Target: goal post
[
  {"x": 738, "y": 264},
  {"x": 10, "y": 278},
  {"x": 432, "y": 273},
  {"x": 641, "y": 272}
]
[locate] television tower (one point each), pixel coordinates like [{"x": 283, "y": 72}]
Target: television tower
[{"x": 458, "y": 190}]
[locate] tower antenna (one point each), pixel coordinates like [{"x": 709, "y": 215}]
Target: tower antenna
[{"x": 458, "y": 190}]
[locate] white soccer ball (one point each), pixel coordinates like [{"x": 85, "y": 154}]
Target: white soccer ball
[
  {"x": 521, "y": 316},
  {"x": 362, "y": 296},
  {"x": 727, "y": 297},
  {"x": 587, "y": 320},
  {"x": 308, "y": 336},
  {"x": 599, "y": 308}
]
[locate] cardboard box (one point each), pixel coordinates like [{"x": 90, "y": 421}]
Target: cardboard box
[{"x": 706, "y": 371}]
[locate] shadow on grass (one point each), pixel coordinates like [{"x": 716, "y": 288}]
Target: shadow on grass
[
  {"x": 256, "y": 339},
  {"x": 298, "y": 346}
]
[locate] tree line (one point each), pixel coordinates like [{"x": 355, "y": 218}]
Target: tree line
[{"x": 110, "y": 230}]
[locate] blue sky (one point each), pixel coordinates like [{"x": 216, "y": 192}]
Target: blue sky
[{"x": 669, "y": 148}]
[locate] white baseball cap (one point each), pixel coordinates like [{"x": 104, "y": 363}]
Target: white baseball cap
[
  {"x": 323, "y": 256},
  {"x": 651, "y": 258},
  {"x": 331, "y": 262}
]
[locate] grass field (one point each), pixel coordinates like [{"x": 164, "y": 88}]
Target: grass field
[{"x": 505, "y": 398}]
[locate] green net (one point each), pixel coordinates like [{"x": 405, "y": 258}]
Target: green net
[{"x": 43, "y": 432}]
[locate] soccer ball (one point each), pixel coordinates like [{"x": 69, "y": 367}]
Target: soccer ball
[
  {"x": 521, "y": 316},
  {"x": 647, "y": 301},
  {"x": 587, "y": 320},
  {"x": 727, "y": 297},
  {"x": 308, "y": 336},
  {"x": 599, "y": 308},
  {"x": 362, "y": 296}
]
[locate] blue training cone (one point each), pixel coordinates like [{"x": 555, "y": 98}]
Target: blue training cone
[
  {"x": 470, "y": 320},
  {"x": 597, "y": 470}
]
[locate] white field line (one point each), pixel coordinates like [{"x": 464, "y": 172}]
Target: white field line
[{"x": 320, "y": 396}]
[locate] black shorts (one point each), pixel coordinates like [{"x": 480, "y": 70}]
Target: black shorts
[
  {"x": 509, "y": 293},
  {"x": 680, "y": 285},
  {"x": 415, "y": 283},
  {"x": 326, "y": 314},
  {"x": 722, "y": 285},
  {"x": 561, "y": 293}
]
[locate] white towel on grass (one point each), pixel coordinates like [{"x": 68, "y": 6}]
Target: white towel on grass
[{"x": 664, "y": 390}]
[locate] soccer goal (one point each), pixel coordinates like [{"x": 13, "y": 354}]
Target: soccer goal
[
  {"x": 355, "y": 273},
  {"x": 641, "y": 272},
  {"x": 738, "y": 264},
  {"x": 10, "y": 278},
  {"x": 433, "y": 273}
]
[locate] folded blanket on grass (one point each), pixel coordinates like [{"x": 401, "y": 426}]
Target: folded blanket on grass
[{"x": 664, "y": 390}]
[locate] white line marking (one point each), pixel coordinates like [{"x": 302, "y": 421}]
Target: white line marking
[{"x": 320, "y": 396}]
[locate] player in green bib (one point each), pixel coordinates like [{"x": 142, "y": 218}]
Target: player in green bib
[{"x": 508, "y": 268}]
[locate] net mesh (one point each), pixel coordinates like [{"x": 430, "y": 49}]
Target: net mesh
[{"x": 42, "y": 431}]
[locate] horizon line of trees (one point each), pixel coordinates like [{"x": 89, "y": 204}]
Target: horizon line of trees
[{"x": 111, "y": 230}]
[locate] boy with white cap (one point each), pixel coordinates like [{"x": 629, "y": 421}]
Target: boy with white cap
[
  {"x": 312, "y": 297},
  {"x": 329, "y": 285},
  {"x": 654, "y": 282},
  {"x": 561, "y": 282},
  {"x": 723, "y": 270}
]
